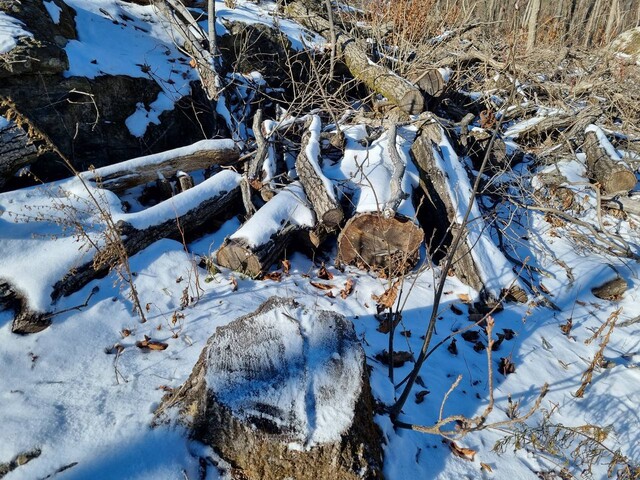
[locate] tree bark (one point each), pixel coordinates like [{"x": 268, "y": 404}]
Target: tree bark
[
  {"x": 319, "y": 190},
  {"x": 138, "y": 171},
  {"x": 440, "y": 208},
  {"x": 263, "y": 238},
  {"x": 186, "y": 214},
  {"x": 25, "y": 320},
  {"x": 396, "y": 89},
  {"x": 604, "y": 165}
]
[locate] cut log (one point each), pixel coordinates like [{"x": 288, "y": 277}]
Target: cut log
[
  {"x": 432, "y": 81},
  {"x": 262, "y": 239},
  {"x": 283, "y": 393},
  {"x": 185, "y": 181},
  {"x": 611, "y": 290},
  {"x": 319, "y": 190},
  {"x": 16, "y": 150},
  {"x": 396, "y": 89},
  {"x": 477, "y": 261},
  {"x": 187, "y": 213},
  {"x": 138, "y": 171},
  {"x": 604, "y": 165},
  {"x": 378, "y": 237}
]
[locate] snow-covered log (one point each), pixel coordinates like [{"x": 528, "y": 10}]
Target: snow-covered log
[
  {"x": 319, "y": 190},
  {"x": 255, "y": 246},
  {"x": 138, "y": 171},
  {"x": 604, "y": 164},
  {"x": 396, "y": 89},
  {"x": 16, "y": 149},
  {"x": 377, "y": 237},
  {"x": 283, "y": 392},
  {"x": 187, "y": 213},
  {"x": 477, "y": 261}
]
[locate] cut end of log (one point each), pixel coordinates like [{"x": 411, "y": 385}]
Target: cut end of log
[
  {"x": 412, "y": 102},
  {"x": 619, "y": 181},
  {"x": 240, "y": 259},
  {"x": 332, "y": 218},
  {"x": 373, "y": 242}
]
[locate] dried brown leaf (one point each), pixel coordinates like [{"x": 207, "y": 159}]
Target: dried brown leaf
[
  {"x": 348, "y": 288},
  {"x": 462, "y": 452},
  {"x": 388, "y": 297},
  {"x": 324, "y": 274},
  {"x": 322, "y": 286}
]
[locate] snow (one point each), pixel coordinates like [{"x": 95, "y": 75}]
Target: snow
[
  {"x": 140, "y": 45},
  {"x": 604, "y": 142},
  {"x": 365, "y": 171},
  {"x": 53, "y": 10},
  {"x": 10, "y": 32},
  {"x": 289, "y": 206},
  {"x": 60, "y": 392},
  {"x": 180, "y": 204}
]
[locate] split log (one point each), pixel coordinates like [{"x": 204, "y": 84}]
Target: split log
[
  {"x": 604, "y": 165},
  {"x": 16, "y": 149},
  {"x": 283, "y": 392},
  {"x": 378, "y": 237},
  {"x": 477, "y": 261},
  {"x": 188, "y": 213},
  {"x": 319, "y": 190},
  {"x": 255, "y": 246},
  {"x": 396, "y": 89},
  {"x": 138, "y": 171},
  {"x": 611, "y": 290}
]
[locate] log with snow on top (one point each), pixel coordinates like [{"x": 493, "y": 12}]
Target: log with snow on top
[
  {"x": 477, "y": 261},
  {"x": 138, "y": 171},
  {"x": 605, "y": 165},
  {"x": 260, "y": 241},
  {"x": 185, "y": 214},
  {"x": 320, "y": 191},
  {"x": 396, "y": 89},
  {"x": 383, "y": 235}
]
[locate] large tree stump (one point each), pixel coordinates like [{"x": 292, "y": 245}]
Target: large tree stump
[
  {"x": 377, "y": 237},
  {"x": 283, "y": 393},
  {"x": 604, "y": 165},
  {"x": 262, "y": 239},
  {"x": 396, "y": 89},
  {"x": 320, "y": 191}
]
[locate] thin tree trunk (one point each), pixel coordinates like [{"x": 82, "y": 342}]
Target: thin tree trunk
[{"x": 533, "y": 24}]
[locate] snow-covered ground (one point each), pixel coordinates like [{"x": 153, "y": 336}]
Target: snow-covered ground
[{"x": 87, "y": 405}]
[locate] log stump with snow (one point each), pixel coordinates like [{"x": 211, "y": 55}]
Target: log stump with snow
[
  {"x": 255, "y": 246},
  {"x": 283, "y": 393},
  {"x": 604, "y": 164},
  {"x": 377, "y": 237}
]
